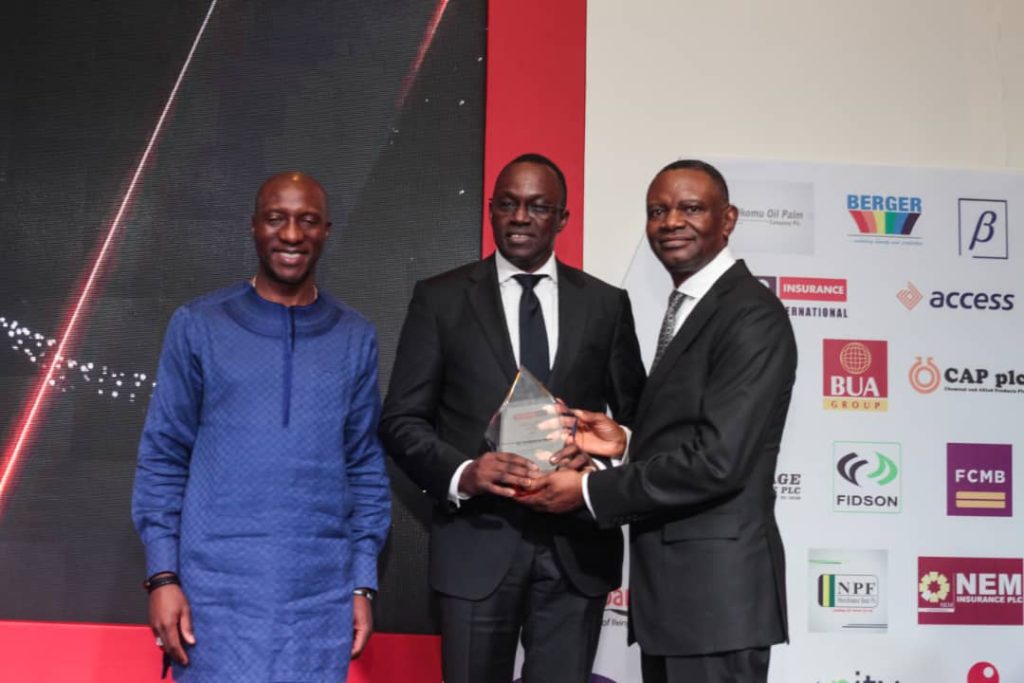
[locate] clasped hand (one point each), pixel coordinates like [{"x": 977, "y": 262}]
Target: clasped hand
[{"x": 585, "y": 433}]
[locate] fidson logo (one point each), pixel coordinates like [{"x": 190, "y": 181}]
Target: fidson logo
[{"x": 866, "y": 477}]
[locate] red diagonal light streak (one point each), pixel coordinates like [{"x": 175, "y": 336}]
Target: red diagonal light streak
[
  {"x": 31, "y": 413},
  {"x": 428, "y": 39}
]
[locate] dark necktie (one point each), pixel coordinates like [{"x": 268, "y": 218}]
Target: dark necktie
[
  {"x": 533, "y": 336},
  {"x": 668, "y": 325}
]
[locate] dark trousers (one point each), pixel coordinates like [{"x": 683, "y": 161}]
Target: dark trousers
[
  {"x": 738, "y": 666},
  {"x": 560, "y": 627}
]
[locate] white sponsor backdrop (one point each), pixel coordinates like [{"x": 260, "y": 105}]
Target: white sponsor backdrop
[{"x": 796, "y": 224}]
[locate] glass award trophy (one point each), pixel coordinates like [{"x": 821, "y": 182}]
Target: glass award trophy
[{"x": 527, "y": 422}]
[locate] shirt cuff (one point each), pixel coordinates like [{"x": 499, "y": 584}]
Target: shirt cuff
[
  {"x": 364, "y": 570},
  {"x": 454, "y": 495},
  {"x": 162, "y": 556},
  {"x": 586, "y": 494}
]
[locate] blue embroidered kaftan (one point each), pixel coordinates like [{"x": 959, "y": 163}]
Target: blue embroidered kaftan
[{"x": 262, "y": 484}]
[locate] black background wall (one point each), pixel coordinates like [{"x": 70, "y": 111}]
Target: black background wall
[{"x": 312, "y": 85}]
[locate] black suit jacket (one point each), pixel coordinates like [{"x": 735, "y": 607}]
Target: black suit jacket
[
  {"x": 707, "y": 571},
  {"x": 453, "y": 367}
]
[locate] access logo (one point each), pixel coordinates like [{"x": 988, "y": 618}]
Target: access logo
[
  {"x": 884, "y": 218},
  {"x": 956, "y": 299},
  {"x": 979, "y": 591},
  {"x": 855, "y": 374}
]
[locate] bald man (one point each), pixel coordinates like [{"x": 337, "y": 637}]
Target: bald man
[{"x": 261, "y": 495}]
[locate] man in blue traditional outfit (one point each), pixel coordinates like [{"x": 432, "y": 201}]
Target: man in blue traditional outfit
[{"x": 261, "y": 495}]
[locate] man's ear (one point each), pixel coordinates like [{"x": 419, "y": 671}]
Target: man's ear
[
  {"x": 563, "y": 220},
  {"x": 732, "y": 215}
]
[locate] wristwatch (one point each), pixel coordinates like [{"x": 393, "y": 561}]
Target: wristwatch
[{"x": 367, "y": 593}]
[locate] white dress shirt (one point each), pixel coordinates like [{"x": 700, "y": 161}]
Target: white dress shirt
[
  {"x": 546, "y": 290},
  {"x": 695, "y": 288}
]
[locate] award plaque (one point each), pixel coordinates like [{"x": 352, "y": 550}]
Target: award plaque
[{"x": 527, "y": 422}]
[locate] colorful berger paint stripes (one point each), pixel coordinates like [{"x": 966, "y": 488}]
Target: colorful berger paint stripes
[{"x": 884, "y": 214}]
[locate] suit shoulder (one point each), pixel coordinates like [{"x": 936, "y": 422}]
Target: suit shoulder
[{"x": 455, "y": 276}]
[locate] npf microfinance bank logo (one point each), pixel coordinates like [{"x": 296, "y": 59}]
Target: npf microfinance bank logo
[
  {"x": 855, "y": 374},
  {"x": 866, "y": 476}
]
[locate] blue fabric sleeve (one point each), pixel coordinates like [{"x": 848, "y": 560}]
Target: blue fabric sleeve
[
  {"x": 367, "y": 477},
  {"x": 166, "y": 447}
]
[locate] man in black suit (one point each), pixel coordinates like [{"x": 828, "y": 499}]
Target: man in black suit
[
  {"x": 707, "y": 572},
  {"x": 499, "y": 568}
]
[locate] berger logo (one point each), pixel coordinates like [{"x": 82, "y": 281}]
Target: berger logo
[
  {"x": 982, "y": 224},
  {"x": 979, "y": 480},
  {"x": 910, "y": 297},
  {"x": 855, "y": 375},
  {"x": 981, "y": 591},
  {"x": 808, "y": 289},
  {"x": 983, "y": 672},
  {"x": 926, "y": 377},
  {"x": 847, "y": 590},
  {"x": 866, "y": 476},
  {"x": 884, "y": 218}
]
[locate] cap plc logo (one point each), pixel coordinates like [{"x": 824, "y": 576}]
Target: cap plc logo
[{"x": 925, "y": 376}]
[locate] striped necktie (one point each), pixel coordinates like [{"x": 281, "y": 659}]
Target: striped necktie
[{"x": 668, "y": 325}]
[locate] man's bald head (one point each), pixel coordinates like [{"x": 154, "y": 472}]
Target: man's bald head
[
  {"x": 272, "y": 185},
  {"x": 289, "y": 227}
]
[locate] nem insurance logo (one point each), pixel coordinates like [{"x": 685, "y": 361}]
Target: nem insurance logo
[
  {"x": 884, "y": 218},
  {"x": 970, "y": 591}
]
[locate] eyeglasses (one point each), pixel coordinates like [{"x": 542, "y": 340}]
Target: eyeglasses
[{"x": 507, "y": 207}]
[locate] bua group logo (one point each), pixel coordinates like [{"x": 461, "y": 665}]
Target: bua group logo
[{"x": 856, "y": 374}]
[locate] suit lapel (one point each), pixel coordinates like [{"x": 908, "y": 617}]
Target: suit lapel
[
  {"x": 485, "y": 299},
  {"x": 572, "y": 317},
  {"x": 688, "y": 333}
]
